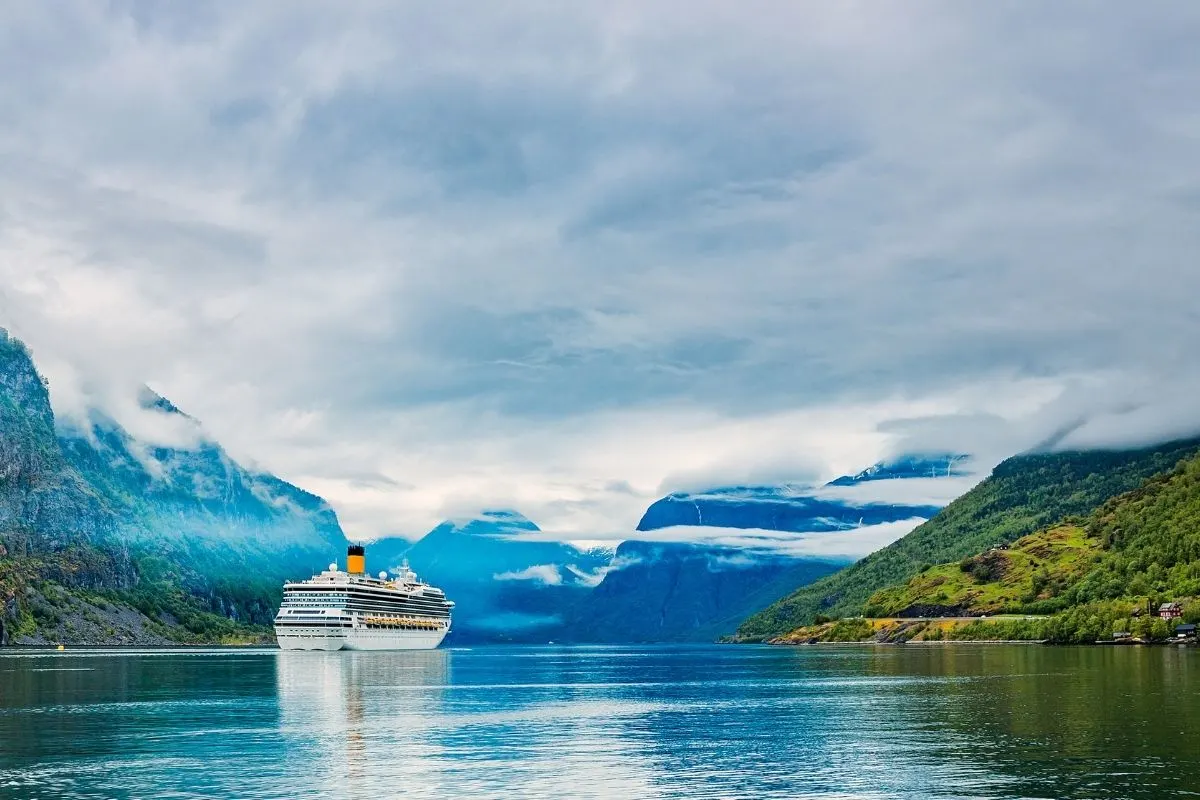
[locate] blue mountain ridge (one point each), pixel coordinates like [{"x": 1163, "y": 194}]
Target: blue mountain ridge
[
  {"x": 505, "y": 587},
  {"x": 509, "y": 586},
  {"x": 673, "y": 591},
  {"x": 800, "y": 509}
]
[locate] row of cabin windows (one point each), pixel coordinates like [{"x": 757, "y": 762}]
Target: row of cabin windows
[
  {"x": 419, "y": 612},
  {"x": 342, "y": 602},
  {"x": 369, "y": 626},
  {"x": 342, "y": 598},
  {"x": 359, "y": 605},
  {"x": 358, "y": 590}
]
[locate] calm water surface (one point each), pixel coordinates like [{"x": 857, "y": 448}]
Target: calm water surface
[{"x": 855, "y": 722}]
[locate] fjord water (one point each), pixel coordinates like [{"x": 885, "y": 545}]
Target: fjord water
[{"x": 722, "y": 721}]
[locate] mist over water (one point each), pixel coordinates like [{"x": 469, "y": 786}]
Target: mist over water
[{"x": 703, "y": 721}]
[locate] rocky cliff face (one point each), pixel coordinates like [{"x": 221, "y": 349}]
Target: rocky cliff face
[
  {"x": 86, "y": 505},
  {"x": 44, "y": 502}
]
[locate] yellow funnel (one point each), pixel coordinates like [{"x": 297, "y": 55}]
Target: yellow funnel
[{"x": 356, "y": 560}]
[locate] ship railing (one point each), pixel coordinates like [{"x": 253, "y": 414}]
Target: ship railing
[{"x": 418, "y": 623}]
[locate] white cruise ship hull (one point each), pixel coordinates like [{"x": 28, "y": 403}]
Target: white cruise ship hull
[
  {"x": 357, "y": 639},
  {"x": 336, "y": 610}
]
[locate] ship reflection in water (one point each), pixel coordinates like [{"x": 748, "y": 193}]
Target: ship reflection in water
[
  {"x": 382, "y": 723},
  {"x": 361, "y": 710}
]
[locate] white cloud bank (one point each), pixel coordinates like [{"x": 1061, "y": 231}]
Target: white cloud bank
[
  {"x": 546, "y": 574},
  {"x": 565, "y": 258},
  {"x": 849, "y": 545}
]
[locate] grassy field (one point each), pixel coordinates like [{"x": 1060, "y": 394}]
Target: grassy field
[{"x": 996, "y": 581}]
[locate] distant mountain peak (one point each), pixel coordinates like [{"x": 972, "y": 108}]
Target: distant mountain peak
[
  {"x": 504, "y": 515},
  {"x": 21, "y": 382},
  {"x": 151, "y": 400},
  {"x": 492, "y": 521},
  {"x": 910, "y": 465},
  {"x": 804, "y": 509}
]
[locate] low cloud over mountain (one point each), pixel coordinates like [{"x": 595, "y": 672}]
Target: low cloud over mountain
[{"x": 420, "y": 265}]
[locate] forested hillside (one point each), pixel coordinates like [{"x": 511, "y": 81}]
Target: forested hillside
[
  {"x": 1079, "y": 581},
  {"x": 1022, "y": 495}
]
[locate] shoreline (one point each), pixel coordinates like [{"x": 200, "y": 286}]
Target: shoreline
[
  {"x": 51, "y": 648},
  {"x": 922, "y": 643},
  {"x": 944, "y": 642}
]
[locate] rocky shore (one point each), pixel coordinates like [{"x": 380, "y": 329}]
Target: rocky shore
[{"x": 52, "y": 615}]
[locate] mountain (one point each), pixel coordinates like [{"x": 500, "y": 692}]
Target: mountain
[
  {"x": 665, "y": 592},
  {"x": 180, "y": 541},
  {"x": 911, "y": 465},
  {"x": 772, "y": 508},
  {"x": 43, "y": 500},
  {"x": 1077, "y": 581},
  {"x": 1009, "y": 578},
  {"x": 1022, "y": 495},
  {"x": 196, "y": 499},
  {"x": 505, "y": 586},
  {"x": 695, "y": 592},
  {"x": 802, "y": 508},
  {"x": 509, "y": 587},
  {"x": 1141, "y": 544}
]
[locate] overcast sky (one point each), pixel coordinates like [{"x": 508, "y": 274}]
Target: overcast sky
[{"x": 425, "y": 258}]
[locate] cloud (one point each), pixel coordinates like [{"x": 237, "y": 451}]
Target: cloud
[
  {"x": 546, "y": 574},
  {"x": 902, "y": 491},
  {"x": 566, "y": 258},
  {"x": 848, "y": 545},
  {"x": 589, "y": 578},
  {"x": 732, "y": 560},
  {"x": 618, "y": 562}
]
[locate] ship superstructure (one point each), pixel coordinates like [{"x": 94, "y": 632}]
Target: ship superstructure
[{"x": 349, "y": 610}]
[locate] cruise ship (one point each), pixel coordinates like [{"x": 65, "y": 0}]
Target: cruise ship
[{"x": 350, "y": 610}]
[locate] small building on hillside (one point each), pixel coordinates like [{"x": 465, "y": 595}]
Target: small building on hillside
[
  {"x": 1185, "y": 631},
  {"x": 1170, "y": 611}
]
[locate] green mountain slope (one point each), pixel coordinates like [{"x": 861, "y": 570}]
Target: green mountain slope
[
  {"x": 1078, "y": 581},
  {"x": 1032, "y": 570},
  {"x": 1150, "y": 539},
  {"x": 1023, "y": 494}
]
